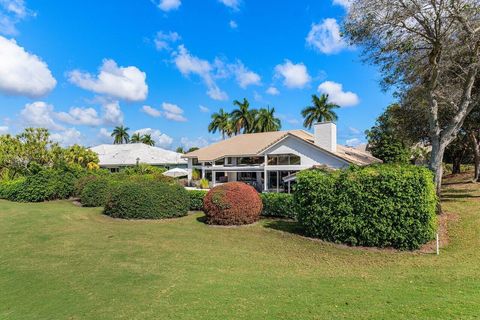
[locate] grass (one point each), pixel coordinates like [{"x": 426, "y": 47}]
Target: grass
[{"x": 59, "y": 261}]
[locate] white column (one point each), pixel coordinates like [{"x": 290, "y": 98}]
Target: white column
[
  {"x": 214, "y": 178},
  {"x": 265, "y": 177},
  {"x": 278, "y": 177}
]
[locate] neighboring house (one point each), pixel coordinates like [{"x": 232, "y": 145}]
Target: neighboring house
[
  {"x": 265, "y": 159},
  {"x": 116, "y": 156}
]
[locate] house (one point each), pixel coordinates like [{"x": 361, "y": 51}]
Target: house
[
  {"x": 116, "y": 156},
  {"x": 265, "y": 159}
]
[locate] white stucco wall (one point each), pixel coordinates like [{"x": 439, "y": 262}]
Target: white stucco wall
[{"x": 309, "y": 155}]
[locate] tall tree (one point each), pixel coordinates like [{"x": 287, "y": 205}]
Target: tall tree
[
  {"x": 147, "y": 139},
  {"x": 430, "y": 46},
  {"x": 242, "y": 117},
  {"x": 321, "y": 110},
  {"x": 220, "y": 122},
  {"x": 120, "y": 135},
  {"x": 266, "y": 121},
  {"x": 136, "y": 138}
]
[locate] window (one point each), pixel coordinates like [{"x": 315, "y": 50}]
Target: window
[
  {"x": 284, "y": 160},
  {"x": 250, "y": 161},
  {"x": 228, "y": 161},
  {"x": 220, "y": 162},
  {"x": 195, "y": 162}
]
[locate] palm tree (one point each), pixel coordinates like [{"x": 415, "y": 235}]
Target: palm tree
[
  {"x": 220, "y": 122},
  {"x": 147, "y": 139},
  {"x": 180, "y": 150},
  {"x": 320, "y": 111},
  {"x": 265, "y": 121},
  {"x": 120, "y": 134},
  {"x": 242, "y": 118},
  {"x": 136, "y": 138}
]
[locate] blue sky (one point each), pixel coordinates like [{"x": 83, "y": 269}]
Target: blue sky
[{"x": 163, "y": 66}]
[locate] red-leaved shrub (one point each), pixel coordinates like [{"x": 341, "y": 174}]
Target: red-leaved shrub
[{"x": 233, "y": 203}]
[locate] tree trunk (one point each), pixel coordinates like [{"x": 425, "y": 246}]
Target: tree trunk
[
  {"x": 457, "y": 165},
  {"x": 436, "y": 165},
  {"x": 476, "y": 152}
]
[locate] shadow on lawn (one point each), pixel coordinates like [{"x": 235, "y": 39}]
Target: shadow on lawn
[
  {"x": 285, "y": 226},
  {"x": 455, "y": 194}
]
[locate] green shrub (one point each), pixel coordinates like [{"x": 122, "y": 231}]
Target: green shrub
[
  {"x": 147, "y": 199},
  {"x": 9, "y": 189},
  {"x": 279, "y": 205},
  {"x": 196, "y": 199},
  {"x": 233, "y": 203},
  {"x": 95, "y": 192},
  {"x": 380, "y": 205}
]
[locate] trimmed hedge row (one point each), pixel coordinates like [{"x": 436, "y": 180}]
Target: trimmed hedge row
[
  {"x": 278, "y": 205},
  {"x": 196, "y": 199},
  {"x": 381, "y": 205},
  {"x": 147, "y": 199}
]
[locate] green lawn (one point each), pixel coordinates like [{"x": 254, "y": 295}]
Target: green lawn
[{"x": 59, "y": 261}]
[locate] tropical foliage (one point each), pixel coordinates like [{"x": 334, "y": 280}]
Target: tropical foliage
[
  {"x": 321, "y": 110},
  {"x": 120, "y": 135}
]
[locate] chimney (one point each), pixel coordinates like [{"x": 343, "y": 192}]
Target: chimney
[{"x": 325, "y": 135}]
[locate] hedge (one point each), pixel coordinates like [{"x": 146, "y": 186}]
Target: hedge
[
  {"x": 278, "y": 205},
  {"x": 147, "y": 199},
  {"x": 380, "y": 205},
  {"x": 95, "y": 192},
  {"x": 196, "y": 199},
  {"x": 233, "y": 203}
]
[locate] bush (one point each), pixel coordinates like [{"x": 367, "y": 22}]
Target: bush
[
  {"x": 196, "y": 199},
  {"x": 9, "y": 189},
  {"x": 233, "y": 203},
  {"x": 380, "y": 205},
  {"x": 279, "y": 205},
  {"x": 95, "y": 192},
  {"x": 147, "y": 199}
]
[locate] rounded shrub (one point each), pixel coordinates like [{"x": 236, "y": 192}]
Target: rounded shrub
[
  {"x": 94, "y": 192},
  {"x": 278, "y": 205},
  {"x": 374, "y": 206},
  {"x": 196, "y": 199},
  {"x": 147, "y": 199},
  {"x": 233, "y": 203}
]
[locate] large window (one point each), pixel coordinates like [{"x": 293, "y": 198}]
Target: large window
[
  {"x": 283, "y": 160},
  {"x": 250, "y": 161}
]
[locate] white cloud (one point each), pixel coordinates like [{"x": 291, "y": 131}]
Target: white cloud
[
  {"x": 169, "y": 5},
  {"x": 173, "y": 112},
  {"x": 344, "y": 3},
  {"x": 80, "y": 116},
  {"x": 126, "y": 83},
  {"x": 161, "y": 139},
  {"x": 104, "y": 136},
  {"x": 273, "y": 91},
  {"x": 203, "y": 109},
  {"x": 112, "y": 114},
  {"x": 199, "y": 142},
  {"x": 354, "y": 130},
  {"x": 233, "y": 4},
  {"x": 188, "y": 64},
  {"x": 3, "y": 129},
  {"x": 67, "y": 137},
  {"x": 244, "y": 76},
  {"x": 353, "y": 142},
  {"x": 22, "y": 73},
  {"x": 151, "y": 111},
  {"x": 163, "y": 40},
  {"x": 233, "y": 24},
  {"x": 293, "y": 75},
  {"x": 326, "y": 38},
  {"x": 337, "y": 95},
  {"x": 39, "y": 114},
  {"x": 12, "y": 12}
]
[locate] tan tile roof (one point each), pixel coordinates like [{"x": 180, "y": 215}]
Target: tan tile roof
[{"x": 254, "y": 143}]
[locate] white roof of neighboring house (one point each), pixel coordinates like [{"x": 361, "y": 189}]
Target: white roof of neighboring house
[{"x": 127, "y": 155}]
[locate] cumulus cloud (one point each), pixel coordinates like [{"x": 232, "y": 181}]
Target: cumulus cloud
[
  {"x": 337, "y": 95},
  {"x": 233, "y": 4},
  {"x": 80, "y": 116},
  {"x": 244, "y": 76},
  {"x": 39, "y": 114},
  {"x": 125, "y": 83},
  {"x": 173, "y": 112},
  {"x": 151, "y": 111},
  {"x": 67, "y": 137},
  {"x": 203, "y": 109},
  {"x": 12, "y": 12},
  {"x": 169, "y": 5},
  {"x": 161, "y": 139},
  {"x": 293, "y": 75},
  {"x": 273, "y": 91},
  {"x": 112, "y": 113},
  {"x": 104, "y": 136},
  {"x": 325, "y": 37},
  {"x": 233, "y": 24},
  {"x": 163, "y": 40},
  {"x": 344, "y": 3},
  {"x": 23, "y": 73},
  {"x": 189, "y": 64}
]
